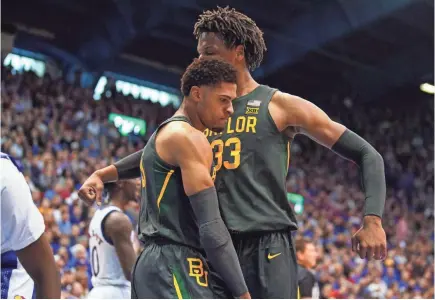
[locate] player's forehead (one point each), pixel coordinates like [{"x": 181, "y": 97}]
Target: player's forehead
[
  {"x": 224, "y": 89},
  {"x": 209, "y": 40}
]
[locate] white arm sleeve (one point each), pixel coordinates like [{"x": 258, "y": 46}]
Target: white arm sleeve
[{"x": 21, "y": 222}]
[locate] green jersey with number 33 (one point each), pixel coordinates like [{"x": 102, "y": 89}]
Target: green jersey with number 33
[{"x": 251, "y": 158}]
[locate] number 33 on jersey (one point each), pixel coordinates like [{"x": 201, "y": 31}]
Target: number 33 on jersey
[
  {"x": 251, "y": 157},
  {"x": 227, "y": 152}
]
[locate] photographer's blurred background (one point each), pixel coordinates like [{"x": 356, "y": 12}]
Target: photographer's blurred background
[{"x": 84, "y": 83}]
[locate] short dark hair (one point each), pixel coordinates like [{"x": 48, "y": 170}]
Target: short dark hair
[
  {"x": 235, "y": 29},
  {"x": 207, "y": 71},
  {"x": 111, "y": 187},
  {"x": 301, "y": 244}
]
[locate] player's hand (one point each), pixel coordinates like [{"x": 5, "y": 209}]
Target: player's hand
[
  {"x": 245, "y": 296},
  {"x": 370, "y": 241},
  {"x": 92, "y": 190}
]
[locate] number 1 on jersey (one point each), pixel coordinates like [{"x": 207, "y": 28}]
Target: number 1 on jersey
[{"x": 235, "y": 147}]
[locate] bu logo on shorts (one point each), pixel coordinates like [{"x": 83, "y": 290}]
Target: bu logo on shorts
[{"x": 196, "y": 269}]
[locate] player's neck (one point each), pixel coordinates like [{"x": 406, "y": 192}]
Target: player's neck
[
  {"x": 117, "y": 204},
  {"x": 116, "y": 200},
  {"x": 245, "y": 83}
]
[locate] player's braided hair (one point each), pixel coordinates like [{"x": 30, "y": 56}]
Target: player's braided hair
[
  {"x": 236, "y": 29},
  {"x": 207, "y": 71}
]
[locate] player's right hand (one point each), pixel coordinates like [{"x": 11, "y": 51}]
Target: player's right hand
[
  {"x": 92, "y": 190},
  {"x": 370, "y": 241}
]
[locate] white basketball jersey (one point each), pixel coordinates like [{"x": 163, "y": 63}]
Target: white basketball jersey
[
  {"x": 21, "y": 225},
  {"x": 105, "y": 266}
]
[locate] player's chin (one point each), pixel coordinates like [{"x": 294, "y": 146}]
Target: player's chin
[
  {"x": 219, "y": 126},
  {"x": 217, "y": 129}
]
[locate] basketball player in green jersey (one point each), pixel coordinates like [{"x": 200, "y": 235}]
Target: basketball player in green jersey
[
  {"x": 179, "y": 219},
  {"x": 252, "y": 155}
]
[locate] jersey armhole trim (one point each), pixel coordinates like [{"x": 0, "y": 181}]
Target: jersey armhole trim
[
  {"x": 285, "y": 138},
  {"x": 269, "y": 116},
  {"x": 154, "y": 141}
]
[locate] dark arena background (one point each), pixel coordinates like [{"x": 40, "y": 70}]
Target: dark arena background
[{"x": 85, "y": 83}]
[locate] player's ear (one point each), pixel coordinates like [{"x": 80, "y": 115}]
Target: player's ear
[
  {"x": 240, "y": 53},
  {"x": 195, "y": 93}
]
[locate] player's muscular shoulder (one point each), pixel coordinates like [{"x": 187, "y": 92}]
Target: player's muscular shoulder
[
  {"x": 118, "y": 225},
  {"x": 289, "y": 110},
  {"x": 193, "y": 155},
  {"x": 180, "y": 141}
]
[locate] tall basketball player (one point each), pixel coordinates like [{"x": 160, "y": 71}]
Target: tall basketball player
[
  {"x": 23, "y": 240},
  {"x": 252, "y": 156},
  {"x": 111, "y": 243}
]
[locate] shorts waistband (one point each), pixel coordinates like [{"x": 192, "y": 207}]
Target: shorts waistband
[
  {"x": 162, "y": 241},
  {"x": 253, "y": 234}
]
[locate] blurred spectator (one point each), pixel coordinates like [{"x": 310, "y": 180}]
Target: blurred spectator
[
  {"x": 61, "y": 135},
  {"x": 306, "y": 255}
]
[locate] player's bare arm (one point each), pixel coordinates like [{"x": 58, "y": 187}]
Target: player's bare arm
[
  {"x": 126, "y": 168},
  {"x": 308, "y": 119},
  {"x": 189, "y": 149},
  {"x": 37, "y": 259},
  {"x": 118, "y": 227}
]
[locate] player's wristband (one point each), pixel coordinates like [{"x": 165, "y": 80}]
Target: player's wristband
[
  {"x": 353, "y": 147},
  {"x": 216, "y": 240},
  {"x": 129, "y": 167}
]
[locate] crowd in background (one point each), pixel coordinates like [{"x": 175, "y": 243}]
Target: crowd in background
[
  {"x": 60, "y": 135},
  {"x": 334, "y": 202}
]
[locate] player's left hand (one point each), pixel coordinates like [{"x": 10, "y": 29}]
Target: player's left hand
[{"x": 370, "y": 241}]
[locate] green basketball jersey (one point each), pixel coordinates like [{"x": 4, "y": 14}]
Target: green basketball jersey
[
  {"x": 165, "y": 208},
  {"x": 252, "y": 158}
]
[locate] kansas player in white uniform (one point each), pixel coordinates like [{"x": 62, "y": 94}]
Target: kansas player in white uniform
[
  {"x": 24, "y": 248},
  {"x": 110, "y": 246}
]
